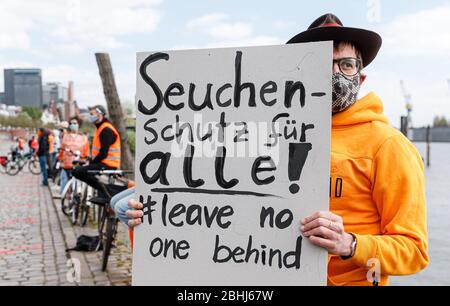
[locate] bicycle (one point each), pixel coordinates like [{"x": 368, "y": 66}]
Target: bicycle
[
  {"x": 17, "y": 162},
  {"x": 108, "y": 223},
  {"x": 74, "y": 202}
]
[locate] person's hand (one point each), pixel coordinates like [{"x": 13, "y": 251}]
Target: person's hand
[
  {"x": 326, "y": 230},
  {"x": 135, "y": 213}
]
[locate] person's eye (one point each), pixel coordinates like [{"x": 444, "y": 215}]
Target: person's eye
[{"x": 347, "y": 65}]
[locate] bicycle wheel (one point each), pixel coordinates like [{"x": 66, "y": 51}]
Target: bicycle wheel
[
  {"x": 34, "y": 167},
  {"x": 12, "y": 168},
  {"x": 66, "y": 199},
  {"x": 111, "y": 226},
  {"x": 75, "y": 208}
]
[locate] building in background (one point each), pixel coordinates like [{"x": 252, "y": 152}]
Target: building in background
[
  {"x": 23, "y": 87},
  {"x": 9, "y": 110},
  {"x": 71, "y": 108},
  {"x": 53, "y": 92}
]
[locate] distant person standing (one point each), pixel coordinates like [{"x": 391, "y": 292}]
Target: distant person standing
[
  {"x": 43, "y": 153},
  {"x": 50, "y": 160},
  {"x": 56, "y": 144},
  {"x": 74, "y": 141}
]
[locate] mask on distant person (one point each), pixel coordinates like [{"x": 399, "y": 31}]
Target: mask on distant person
[
  {"x": 73, "y": 127},
  {"x": 93, "y": 118},
  {"x": 345, "y": 91}
]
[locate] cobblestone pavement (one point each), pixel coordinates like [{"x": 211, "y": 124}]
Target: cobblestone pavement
[
  {"x": 118, "y": 272},
  {"x": 32, "y": 246},
  {"x": 34, "y": 236}
]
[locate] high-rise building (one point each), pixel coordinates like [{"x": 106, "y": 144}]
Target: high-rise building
[
  {"x": 23, "y": 87},
  {"x": 2, "y": 97},
  {"x": 53, "y": 92},
  {"x": 70, "y": 106}
]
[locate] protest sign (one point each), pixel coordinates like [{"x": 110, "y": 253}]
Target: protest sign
[{"x": 233, "y": 149}]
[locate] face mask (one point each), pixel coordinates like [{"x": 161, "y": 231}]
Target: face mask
[
  {"x": 93, "y": 118},
  {"x": 345, "y": 91},
  {"x": 73, "y": 127}
]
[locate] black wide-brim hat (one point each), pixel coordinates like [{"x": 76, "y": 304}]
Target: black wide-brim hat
[{"x": 329, "y": 27}]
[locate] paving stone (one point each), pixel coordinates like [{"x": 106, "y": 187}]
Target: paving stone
[{"x": 36, "y": 236}]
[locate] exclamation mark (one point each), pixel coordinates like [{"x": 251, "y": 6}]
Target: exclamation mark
[{"x": 298, "y": 153}]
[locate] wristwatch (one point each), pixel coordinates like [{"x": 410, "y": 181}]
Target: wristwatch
[{"x": 353, "y": 248}]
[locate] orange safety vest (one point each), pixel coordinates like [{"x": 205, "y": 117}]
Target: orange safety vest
[{"x": 113, "y": 157}]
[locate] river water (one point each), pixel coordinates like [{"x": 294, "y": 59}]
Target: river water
[{"x": 438, "y": 207}]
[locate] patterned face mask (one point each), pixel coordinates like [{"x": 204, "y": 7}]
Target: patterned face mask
[{"x": 345, "y": 91}]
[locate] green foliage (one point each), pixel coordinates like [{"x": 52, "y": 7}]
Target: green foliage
[
  {"x": 34, "y": 112},
  {"x": 440, "y": 122},
  {"x": 22, "y": 120},
  {"x": 132, "y": 141},
  {"x": 87, "y": 128}
]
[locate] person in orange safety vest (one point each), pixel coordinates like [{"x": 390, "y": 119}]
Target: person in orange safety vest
[{"x": 105, "y": 148}]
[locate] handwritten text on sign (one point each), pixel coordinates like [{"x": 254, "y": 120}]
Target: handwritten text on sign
[{"x": 232, "y": 151}]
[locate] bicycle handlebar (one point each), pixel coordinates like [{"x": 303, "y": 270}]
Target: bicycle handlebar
[
  {"x": 73, "y": 153},
  {"x": 109, "y": 172}
]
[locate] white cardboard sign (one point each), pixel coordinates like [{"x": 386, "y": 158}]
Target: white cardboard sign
[{"x": 233, "y": 149}]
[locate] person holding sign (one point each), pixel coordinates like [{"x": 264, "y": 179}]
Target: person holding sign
[{"x": 376, "y": 225}]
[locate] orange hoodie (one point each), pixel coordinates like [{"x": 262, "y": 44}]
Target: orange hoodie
[{"x": 377, "y": 187}]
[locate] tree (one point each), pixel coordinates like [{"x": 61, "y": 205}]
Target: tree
[
  {"x": 114, "y": 108},
  {"x": 34, "y": 112},
  {"x": 440, "y": 122}
]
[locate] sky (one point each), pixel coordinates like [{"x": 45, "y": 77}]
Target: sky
[{"x": 61, "y": 37}]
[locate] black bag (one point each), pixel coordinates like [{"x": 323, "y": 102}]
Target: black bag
[{"x": 87, "y": 244}]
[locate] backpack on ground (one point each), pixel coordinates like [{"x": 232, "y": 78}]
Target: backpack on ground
[{"x": 87, "y": 244}]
